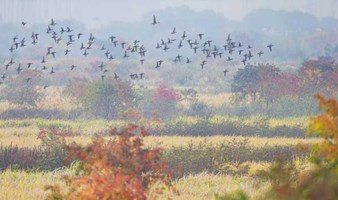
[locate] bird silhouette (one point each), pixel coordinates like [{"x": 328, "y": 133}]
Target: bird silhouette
[
  {"x": 244, "y": 61},
  {"x": 52, "y": 71},
  {"x": 155, "y": 20},
  {"x": 111, "y": 58},
  {"x": 200, "y": 35},
  {"x": 19, "y": 69},
  {"x": 101, "y": 66},
  {"x": 52, "y": 23},
  {"x": 3, "y": 77},
  {"x": 116, "y": 76},
  {"x": 123, "y": 44},
  {"x": 79, "y": 35},
  {"x": 184, "y": 35},
  {"x": 260, "y": 53},
  {"x": 159, "y": 63},
  {"x": 225, "y": 72},
  {"x": 67, "y": 51},
  {"x": 174, "y": 31},
  {"x": 125, "y": 54},
  {"x": 270, "y": 47},
  {"x": 69, "y": 30},
  {"x": 229, "y": 38},
  {"x": 203, "y": 63},
  {"x": 11, "y": 49},
  {"x": 62, "y": 30}
]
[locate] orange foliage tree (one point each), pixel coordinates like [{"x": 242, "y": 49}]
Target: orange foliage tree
[
  {"x": 321, "y": 181},
  {"x": 120, "y": 168},
  {"x": 326, "y": 126}
]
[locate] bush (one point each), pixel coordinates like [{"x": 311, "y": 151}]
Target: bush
[
  {"x": 49, "y": 156},
  {"x": 199, "y": 109},
  {"x": 54, "y": 147},
  {"x": 120, "y": 168},
  {"x": 163, "y": 102}
]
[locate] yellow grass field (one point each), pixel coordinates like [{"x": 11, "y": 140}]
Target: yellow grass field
[
  {"x": 30, "y": 185},
  {"x": 20, "y": 185}
]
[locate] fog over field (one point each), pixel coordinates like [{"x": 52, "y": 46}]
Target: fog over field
[{"x": 95, "y": 13}]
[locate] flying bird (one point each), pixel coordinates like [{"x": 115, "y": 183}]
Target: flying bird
[
  {"x": 155, "y": 21},
  {"x": 174, "y": 31},
  {"x": 52, "y": 71},
  {"x": 270, "y": 47},
  {"x": 225, "y": 72}
]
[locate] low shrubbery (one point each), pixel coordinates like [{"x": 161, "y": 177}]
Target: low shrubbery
[
  {"x": 15, "y": 157},
  {"x": 219, "y": 158},
  {"x": 35, "y": 113},
  {"x": 192, "y": 159},
  {"x": 206, "y": 127}
]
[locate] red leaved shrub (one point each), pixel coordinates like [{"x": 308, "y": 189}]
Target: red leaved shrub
[
  {"x": 120, "y": 168},
  {"x": 163, "y": 92},
  {"x": 164, "y": 101}
]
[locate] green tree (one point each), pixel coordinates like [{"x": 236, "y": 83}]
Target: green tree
[
  {"x": 106, "y": 99},
  {"x": 22, "y": 90},
  {"x": 247, "y": 81}
]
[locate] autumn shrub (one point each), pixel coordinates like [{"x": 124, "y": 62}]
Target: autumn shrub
[
  {"x": 54, "y": 147},
  {"x": 163, "y": 102},
  {"x": 119, "y": 168}
]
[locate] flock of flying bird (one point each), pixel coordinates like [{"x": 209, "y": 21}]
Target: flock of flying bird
[{"x": 68, "y": 36}]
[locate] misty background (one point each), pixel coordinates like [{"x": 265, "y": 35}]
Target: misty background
[
  {"x": 299, "y": 30},
  {"x": 96, "y": 13},
  {"x": 293, "y": 25}
]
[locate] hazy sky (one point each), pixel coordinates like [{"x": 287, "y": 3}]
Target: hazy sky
[{"x": 95, "y": 13}]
